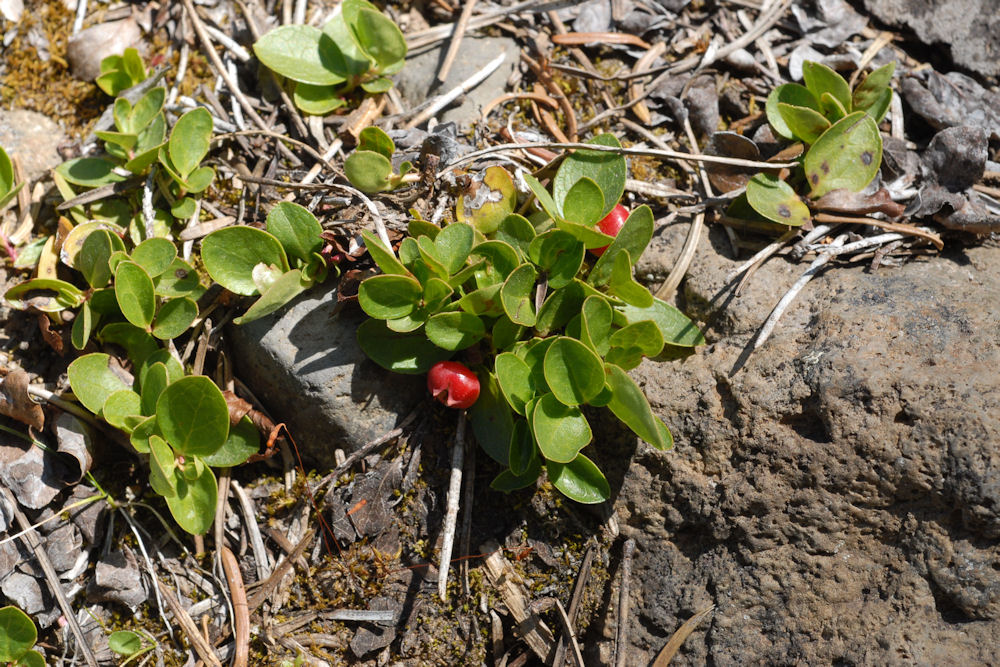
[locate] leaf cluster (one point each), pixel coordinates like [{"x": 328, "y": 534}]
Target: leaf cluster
[
  {"x": 17, "y": 638},
  {"x": 359, "y": 46},
  {"x": 121, "y": 72},
  {"x": 181, "y": 422},
  {"x": 278, "y": 264},
  {"x": 840, "y": 127},
  {"x": 369, "y": 167},
  {"x": 554, "y": 333}
]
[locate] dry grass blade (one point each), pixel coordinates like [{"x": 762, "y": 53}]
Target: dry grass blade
[
  {"x": 241, "y": 614},
  {"x": 899, "y": 227},
  {"x": 557, "y": 93},
  {"x": 668, "y": 652},
  {"x": 581, "y": 38},
  {"x": 544, "y": 99},
  {"x": 456, "y": 40},
  {"x": 190, "y": 628}
]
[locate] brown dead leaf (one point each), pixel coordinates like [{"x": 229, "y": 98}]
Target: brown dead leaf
[
  {"x": 238, "y": 408},
  {"x": 846, "y": 201},
  {"x": 15, "y": 402},
  {"x": 50, "y": 335}
]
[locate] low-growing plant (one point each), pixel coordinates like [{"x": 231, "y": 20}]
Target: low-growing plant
[
  {"x": 359, "y": 46},
  {"x": 130, "y": 645},
  {"x": 547, "y": 333},
  {"x": 120, "y": 73},
  {"x": 8, "y": 188},
  {"x": 840, "y": 128},
  {"x": 278, "y": 264},
  {"x": 369, "y": 167},
  {"x": 17, "y": 639}
]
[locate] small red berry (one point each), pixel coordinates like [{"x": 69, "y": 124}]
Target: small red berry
[
  {"x": 453, "y": 384},
  {"x": 611, "y": 225}
]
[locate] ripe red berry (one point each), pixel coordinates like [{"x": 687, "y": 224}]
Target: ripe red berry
[
  {"x": 611, "y": 225},
  {"x": 453, "y": 384}
]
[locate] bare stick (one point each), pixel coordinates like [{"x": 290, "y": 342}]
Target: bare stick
[
  {"x": 31, "y": 539},
  {"x": 818, "y": 232},
  {"x": 241, "y": 615},
  {"x": 621, "y": 638},
  {"x": 668, "y": 652},
  {"x": 793, "y": 291},
  {"x": 570, "y": 635},
  {"x": 441, "y": 101},
  {"x": 857, "y": 246},
  {"x": 456, "y": 40},
  {"x": 190, "y": 628},
  {"x": 451, "y": 513}
]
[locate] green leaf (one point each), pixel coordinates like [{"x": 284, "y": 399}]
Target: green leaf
[
  {"x": 505, "y": 333},
  {"x": 90, "y": 172},
  {"x": 198, "y": 181},
  {"x": 560, "y": 306},
  {"x": 533, "y": 353},
  {"x": 591, "y": 237},
  {"x": 417, "y": 228},
  {"x": 162, "y": 466},
  {"x": 677, "y": 329},
  {"x": 595, "y": 324},
  {"x": 847, "y": 156},
  {"x": 73, "y": 243},
  {"x": 492, "y": 420},
  {"x": 379, "y": 37},
  {"x": 317, "y": 100},
  {"x": 523, "y": 452},
  {"x": 633, "y": 238},
  {"x": 242, "y": 443},
  {"x": 624, "y": 286},
  {"x": 775, "y": 200},
  {"x": 584, "y": 202},
  {"x": 161, "y": 356},
  {"x": 174, "y": 317},
  {"x": 608, "y": 170},
  {"x": 485, "y": 301},
  {"x": 355, "y": 62},
  {"x": 376, "y": 140},
  {"x": 500, "y": 255},
  {"x": 17, "y": 634},
  {"x": 791, "y": 94},
  {"x": 625, "y": 358},
  {"x": 83, "y": 326},
  {"x": 872, "y": 88},
  {"x": 514, "y": 377},
  {"x": 518, "y": 294},
  {"x": 561, "y": 430},
  {"x": 119, "y": 405},
  {"x": 546, "y": 201},
  {"x": 193, "y": 416},
  {"x": 288, "y": 286},
  {"x": 579, "y": 480},
  {"x": 379, "y": 85},
  {"x": 46, "y": 294},
  {"x": 92, "y": 260},
  {"x": 190, "y": 139},
  {"x": 368, "y": 171},
  {"x": 180, "y": 279},
  {"x": 490, "y": 203},
  {"x": 92, "y": 379},
  {"x": 643, "y": 335},
  {"x": 804, "y": 123},
  {"x": 629, "y": 404},
  {"x": 302, "y": 53},
  {"x": 31, "y": 659},
  {"x": 382, "y": 256},
  {"x": 507, "y": 481},
  {"x": 145, "y": 110},
  {"x": 453, "y": 244},
  {"x": 408, "y": 353},
  {"x": 880, "y": 108},
  {"x": 138, "y": 343},
  {"x": 516, "y": 231},
  {"x": 142, "y": 433},
  {"x": 832, "y": 107},
  {"x": 134, "y": 291},
  {"x": 193, "y": 507},
  {"x": 821, "y": 79},
  {"x": 573, "y": 371},
  {"x": 559, "y": 255},
  {"x": 6, "y": 173},
  {"x": 230, "y": 255},
  {"x": 125, "y": 642},
  {"x": 156, "y": 255},
  {"x": 387, "y": 297},
  {"x": 296, "y": 229},
  {"x": 455, "y": 330},
  {"x": 153, "y": 381}
]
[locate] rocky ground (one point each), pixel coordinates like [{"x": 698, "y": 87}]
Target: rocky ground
[{"x": 832, "y": 497}]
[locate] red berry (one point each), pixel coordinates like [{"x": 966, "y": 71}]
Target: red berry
[
  {"x": 611, "y": 225},
  {"x": 453, "y": 384}
]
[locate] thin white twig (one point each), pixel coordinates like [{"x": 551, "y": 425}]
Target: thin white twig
[
  {"x": 443, "y": 100},
  {"x": 81, "y": 13},
  {"x": 148, "y": 214},
  {"x": 233, "y": 102},
  {"x": 253, "y": 530},
  {"x": 299, "y": 14},
  {"x": 818, "y": 232},
  {"x": 182, "y": 66},
  {"x": 451, "y": 513},
  {"x": 793, "y": 291},
  {"x": 232, "y": 46},
  {"x": 763, "y": 254},
  {"x": 852, "y": 248}
]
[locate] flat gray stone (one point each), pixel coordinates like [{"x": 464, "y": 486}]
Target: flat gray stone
[
  {"x": 418, "y": 80},
  {"x": 33, "y": 138},
  {"x": 305, "y": 365}
]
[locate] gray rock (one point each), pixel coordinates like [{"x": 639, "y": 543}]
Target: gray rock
[
  {"x": 836, "y": 494},
  {"x": 305, "y": 365},
  {"x": 33, "y": 138},
  {"x": 416, "y": 82},
  {"x": 970, "y": 29}
]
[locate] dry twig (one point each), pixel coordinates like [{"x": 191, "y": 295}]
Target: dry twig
[{"x": 451, "y": 512}]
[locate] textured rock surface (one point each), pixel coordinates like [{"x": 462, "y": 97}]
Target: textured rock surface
[
  {"x": 416, "y": 82},
  {"x": 970, "y": 29},
  {"x": 836, "y": 494},
  {"x": 305, "y": 365},
  {"x": 33, "y": 138}
]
